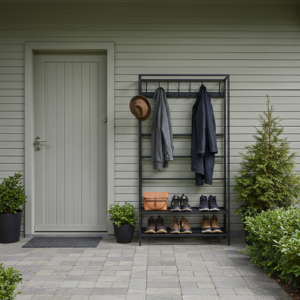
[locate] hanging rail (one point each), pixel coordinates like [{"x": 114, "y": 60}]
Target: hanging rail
[{"x": 180, "y": 93}]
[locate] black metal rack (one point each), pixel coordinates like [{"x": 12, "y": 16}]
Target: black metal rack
[{"x": 223, "y": 92}]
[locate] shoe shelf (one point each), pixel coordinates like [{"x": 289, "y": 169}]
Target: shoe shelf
[
  {"x": 195, "y": 210},
  {"x": 196, "y": 232},
  {"x": 224, "y": 95},
  {"x": 178, "y": 178}
]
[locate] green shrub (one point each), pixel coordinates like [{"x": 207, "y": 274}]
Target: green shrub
[
  {"x": 122, "y": 215},
  {"x": 12, "y": 194},
  {"x": 9, "y": 278},
  {"x": 275, "y": 235}
]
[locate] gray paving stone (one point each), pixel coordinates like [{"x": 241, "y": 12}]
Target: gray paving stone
[
  {"x": 224, "y": 291},
  {"x": 202, "y": 291},
  {"x": 163, "y": 291},
  {"x": 81, "y": 278},
  {"x": 225, "y": 282},
  {"x": 48, "y": 278},
  {"x": 137, "y": 284},
  {"x": 269, "y": 292},
  {"x": 73, "y": 291},
  {"x": 163, "y": 285},
  {"x": 111, "y": 291},
  {"x": 263, "y": 285},
  {"x": 107, "y": 297},
  {"x": 39, "y": 291},
  {"x": 238, "y": 297},
  {"x": 24, "y": 297},
  {"x": 190, "y": 285},
  {"x": 163, "y": 297},
  {"x": 162, "y": 279}
]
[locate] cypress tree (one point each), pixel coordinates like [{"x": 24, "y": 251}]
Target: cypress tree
[{"x": 267, "y": 176}]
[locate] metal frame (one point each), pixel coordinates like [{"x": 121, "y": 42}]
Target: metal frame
[{"x": 225, "y": 94}]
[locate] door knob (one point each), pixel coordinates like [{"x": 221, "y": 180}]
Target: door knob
[{"x": 38, "y": 140}]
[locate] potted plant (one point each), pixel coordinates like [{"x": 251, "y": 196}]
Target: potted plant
[
  {"x": 12, "y": 196},
  {"x": 267, "y": 177},
  {"x": 9, "y": 278},
  {"x": 123, "y": 218}
]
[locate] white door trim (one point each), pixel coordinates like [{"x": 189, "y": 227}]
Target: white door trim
[{"x": 30, "y": 48}]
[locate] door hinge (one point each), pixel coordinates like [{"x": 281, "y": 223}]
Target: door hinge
[{"x": 104, "y": 119}]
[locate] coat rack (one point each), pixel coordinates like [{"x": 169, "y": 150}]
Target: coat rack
[{"x": 224, "y": 93}]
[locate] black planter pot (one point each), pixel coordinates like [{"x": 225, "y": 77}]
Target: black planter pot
[
  {"x": 124, "y": 233},
  {"x": 10, "y": 227}
]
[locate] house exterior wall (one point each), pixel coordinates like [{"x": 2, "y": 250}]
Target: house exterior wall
[{"x": 257, "y": 43}]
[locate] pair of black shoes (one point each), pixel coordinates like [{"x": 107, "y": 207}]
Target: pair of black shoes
[
  {"x": 208, "y": 205},
  {"x": 180, "y": 204}
]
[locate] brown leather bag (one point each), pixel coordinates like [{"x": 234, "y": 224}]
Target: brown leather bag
[{"x": 155, "y": 200}]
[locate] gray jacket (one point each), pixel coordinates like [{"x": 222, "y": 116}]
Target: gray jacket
[{"x": 161, "y": 134}]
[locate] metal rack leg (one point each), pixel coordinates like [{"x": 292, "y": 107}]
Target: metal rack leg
[{"x": 140, "y": 183}]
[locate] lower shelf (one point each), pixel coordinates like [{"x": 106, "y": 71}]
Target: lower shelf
[
  {"x": 196, "y": 232},
  {"x": 195, "y": 210}
]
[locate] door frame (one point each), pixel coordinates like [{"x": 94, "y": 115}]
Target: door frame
[{"x": 30, "y": 49}]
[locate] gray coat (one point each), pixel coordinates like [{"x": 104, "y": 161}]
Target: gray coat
[
  {"x": 204, "y": 142},
  {"x": 161, "y": 134}
]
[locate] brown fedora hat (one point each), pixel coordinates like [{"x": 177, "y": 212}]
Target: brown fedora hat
[{"x": 140, "y": 107}]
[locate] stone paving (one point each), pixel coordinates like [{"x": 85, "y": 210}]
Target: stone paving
[{"x": 161, "y": 269}]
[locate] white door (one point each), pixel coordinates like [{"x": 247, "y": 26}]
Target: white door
[{"x": 70, "y": 167}]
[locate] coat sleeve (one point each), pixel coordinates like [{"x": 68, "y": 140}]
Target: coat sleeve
[
  {"x": 200, "y": 126},
  {"x": 211, "y": 127},
  {"x": 166, "y": 127},
  {"x": 159, "y": 146}
]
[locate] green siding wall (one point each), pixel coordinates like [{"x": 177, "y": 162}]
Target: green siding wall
[{"x": 257, "y": 43}]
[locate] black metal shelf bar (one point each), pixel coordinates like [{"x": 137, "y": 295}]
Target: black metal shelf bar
[
  {"x": 225, "y": 187},
  {"x": 178, "y": 178},
  {"x": 182, "y": 80},
  {"x": 183, "y": 94},
  {"x": 225, "y": 94},
  {"x": 185, "y": 75},
  {"x": 228, "y": 153},
  {"x": 195, "y": 210},
  {"x": 187, "y": 156},
  {"x": 196, "y": 232},
  {"x": 181, "y": 134}
]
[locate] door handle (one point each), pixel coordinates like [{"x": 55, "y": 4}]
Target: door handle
[{"x": 38, "y": 140}]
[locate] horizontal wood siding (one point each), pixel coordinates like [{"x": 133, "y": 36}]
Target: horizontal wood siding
[{"x": 256, "y": 42}]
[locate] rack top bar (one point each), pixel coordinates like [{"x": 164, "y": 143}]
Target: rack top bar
[
  {"x": 184, "y": 75},
  {"x": 182, "y": 80}
]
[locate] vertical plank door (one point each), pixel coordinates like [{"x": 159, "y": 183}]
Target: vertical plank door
[{"x": 70, "y": 167}]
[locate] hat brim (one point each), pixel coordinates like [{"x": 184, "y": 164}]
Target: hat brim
[{"x": 148, "y": 104}]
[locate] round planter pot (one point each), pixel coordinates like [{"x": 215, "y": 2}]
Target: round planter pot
[
  {"x": 124, "y": 233},
  {"x": 10, "y": 227}
]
